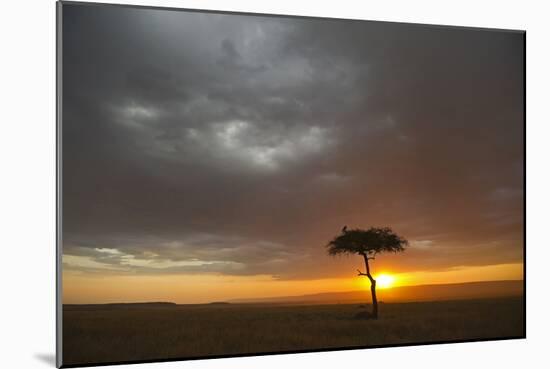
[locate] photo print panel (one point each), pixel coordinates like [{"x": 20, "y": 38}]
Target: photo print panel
[{"x": 237, "y": 184}]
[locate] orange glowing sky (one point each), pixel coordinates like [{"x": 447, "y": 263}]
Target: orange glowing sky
[{"x": 81, "y": 288}]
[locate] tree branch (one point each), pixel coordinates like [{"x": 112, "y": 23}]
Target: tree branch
[{"x": 360, "y": 273}]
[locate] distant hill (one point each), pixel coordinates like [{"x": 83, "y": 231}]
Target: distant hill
[
  {"x": 433, "y": 292},
  {"x": 120, "y": 305}
]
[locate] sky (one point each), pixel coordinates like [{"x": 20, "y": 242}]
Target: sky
[{"x": 213, "y": 156}]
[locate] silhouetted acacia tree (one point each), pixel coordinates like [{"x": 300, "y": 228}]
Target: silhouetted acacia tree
[{"x": 367, "y": 243}]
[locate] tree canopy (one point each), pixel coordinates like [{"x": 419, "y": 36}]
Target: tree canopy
[{"x": 367, "y": 242}]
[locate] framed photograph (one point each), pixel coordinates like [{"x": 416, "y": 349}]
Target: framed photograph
[{"x": 235, "y": 184}]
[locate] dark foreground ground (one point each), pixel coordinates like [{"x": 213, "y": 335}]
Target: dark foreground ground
[{"x": 96, "y": 334}]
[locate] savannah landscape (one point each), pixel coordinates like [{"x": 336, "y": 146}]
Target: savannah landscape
[
  {"x": 111, "y": 333},
  {"x": 239, "y": 184}
]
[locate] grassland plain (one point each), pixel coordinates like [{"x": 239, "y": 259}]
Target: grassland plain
[{"x": 110, "y": 333}]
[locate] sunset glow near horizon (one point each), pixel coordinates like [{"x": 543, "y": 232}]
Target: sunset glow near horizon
[
  {"x": 215, "y": 159},
  {"x": 87, "y": 289},
  {"x": 385, "y": 280}
]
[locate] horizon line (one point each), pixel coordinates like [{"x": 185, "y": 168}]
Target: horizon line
[{"x": 257, "y": 299}]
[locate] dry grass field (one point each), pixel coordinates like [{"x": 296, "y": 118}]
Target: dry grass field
[{"x": 100, "y": 334}]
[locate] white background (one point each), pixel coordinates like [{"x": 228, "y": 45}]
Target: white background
[{"x": 27, "y": 182}]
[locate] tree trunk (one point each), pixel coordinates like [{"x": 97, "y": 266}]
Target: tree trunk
[
  {"x": 374, "y": 300},
  {"x": 372, "y": 289}
]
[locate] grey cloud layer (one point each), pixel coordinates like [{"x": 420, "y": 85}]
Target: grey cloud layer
[{"x": 240, "y": 145}]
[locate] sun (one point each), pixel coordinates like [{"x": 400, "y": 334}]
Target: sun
[{"x": 384, "y": 281}]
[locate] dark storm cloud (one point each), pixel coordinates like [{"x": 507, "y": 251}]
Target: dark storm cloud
[{"x": 240, "y": 145}]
